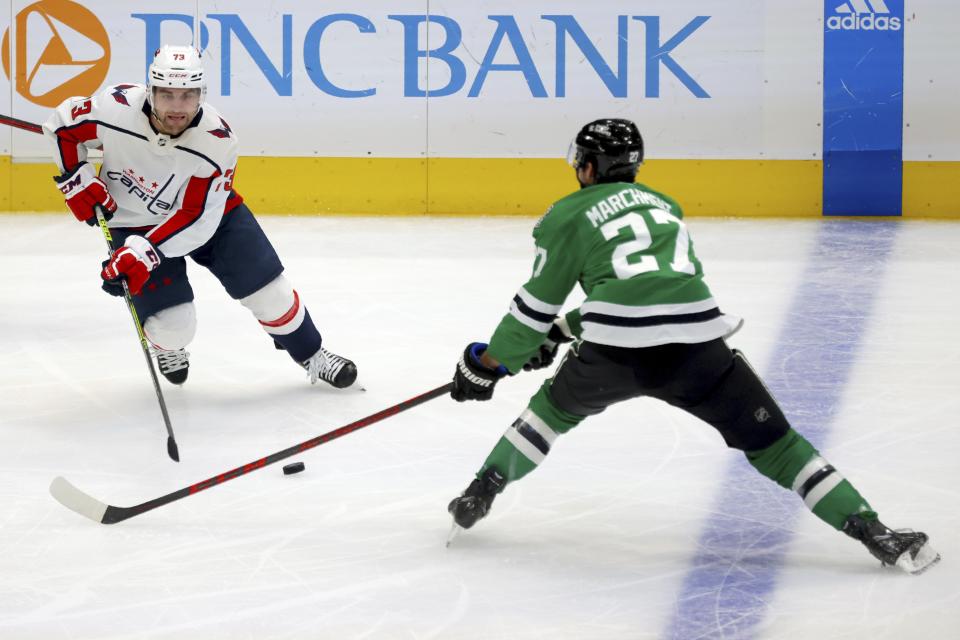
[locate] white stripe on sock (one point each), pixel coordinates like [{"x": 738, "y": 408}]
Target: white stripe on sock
[
  {"x": 816, "y": 463},
  {"x": 539, "y": 426},
  {"x": 524, "y": 446},
  {"x": 823, "y": 487}
]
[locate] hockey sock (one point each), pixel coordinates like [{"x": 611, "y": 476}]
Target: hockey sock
[
  {"x": 528, "y": 440},
  {"x": 793, "y": 463},
  {"x": 302, "y": 342},
  {"x": 282, "y": 315}
]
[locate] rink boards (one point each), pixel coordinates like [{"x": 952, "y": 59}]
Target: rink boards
[{"x": 426, "y": 106}]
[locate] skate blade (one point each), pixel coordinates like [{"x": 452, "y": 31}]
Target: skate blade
[
  {"x": 455, "y": 530},
  {"x": 925, "y": 558}
]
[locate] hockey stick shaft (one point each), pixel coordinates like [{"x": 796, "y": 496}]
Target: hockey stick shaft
[
  {"x": 78, "y": 501},
  {"x": 172, "y": 450},
  {"x": 20, "y": 124}
]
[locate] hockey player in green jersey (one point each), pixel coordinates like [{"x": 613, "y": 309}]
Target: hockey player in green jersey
[{"x": 649, "y": 326}]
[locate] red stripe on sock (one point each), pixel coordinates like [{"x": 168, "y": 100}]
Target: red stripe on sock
[{"x": 288, "y": 316}]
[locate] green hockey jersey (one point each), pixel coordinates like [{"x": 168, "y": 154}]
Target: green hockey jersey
[{"x": 629, "y": 249}]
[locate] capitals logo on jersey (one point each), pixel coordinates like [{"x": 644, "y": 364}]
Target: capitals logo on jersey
[
  {"x": 146, "y": 189},
  {"x": 223, "y": 131},
  {"x": 120, "y": 93}
]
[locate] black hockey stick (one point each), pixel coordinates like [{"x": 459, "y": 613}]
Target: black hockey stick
[
  {"x": 87, "y": 506},
  {"x": 172, "y": 450},
  {"x": 20, "y": 124}
]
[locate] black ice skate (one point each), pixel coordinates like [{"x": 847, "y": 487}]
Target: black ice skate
[
  {"x": 903, "y": 548},
  {"x": 474, "y": 504},
  {"x": 173, "y": 364},
  {"x": 335, "y": 370}
]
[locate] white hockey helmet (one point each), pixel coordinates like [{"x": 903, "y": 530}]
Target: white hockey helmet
[{"x": 176, "y": 68}]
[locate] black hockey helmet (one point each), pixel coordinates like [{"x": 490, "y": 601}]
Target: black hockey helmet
[{"x": 612, "y": 145}]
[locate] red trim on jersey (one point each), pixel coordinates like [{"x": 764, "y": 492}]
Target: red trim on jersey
[
  {"x": 194, "y": 201},
  {"x": 288, "y": 316},
  {"x": 69, "y": 138},
  {"x": 233, "y": 201}
]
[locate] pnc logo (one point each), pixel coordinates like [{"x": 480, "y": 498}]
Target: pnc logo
[{"x": 62, "y": 50}]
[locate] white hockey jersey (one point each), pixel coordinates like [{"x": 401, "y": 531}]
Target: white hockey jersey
[{"x": 176, "y": 189}]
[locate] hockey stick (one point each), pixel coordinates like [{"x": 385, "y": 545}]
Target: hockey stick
[
  {"x": 89, "y": 507},
  {"x": 172, "y": 450},
  {"x": 20, "y": 124}
]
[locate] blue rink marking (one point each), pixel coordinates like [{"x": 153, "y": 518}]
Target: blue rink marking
[{"x": 727, "y": 590}]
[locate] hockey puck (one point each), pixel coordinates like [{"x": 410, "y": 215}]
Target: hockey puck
[{"x": 292, "y": 468}]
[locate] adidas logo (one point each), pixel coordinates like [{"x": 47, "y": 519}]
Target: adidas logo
[{"x": 863, "y": 15}]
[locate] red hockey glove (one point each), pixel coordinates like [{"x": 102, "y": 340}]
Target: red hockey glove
[
  {"x": 133, "y": 261},
  {"x": 83, "y": 191}
]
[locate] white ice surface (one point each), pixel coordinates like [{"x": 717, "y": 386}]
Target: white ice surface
[{"x": 595, "y": 544}]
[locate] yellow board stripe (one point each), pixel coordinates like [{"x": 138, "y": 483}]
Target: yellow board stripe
[
  {"x": 509, "y": 186},
  {"x": 931, "y": 190}
]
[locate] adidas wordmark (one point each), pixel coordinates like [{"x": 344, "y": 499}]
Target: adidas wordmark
[{"x": 863, "y": 15}]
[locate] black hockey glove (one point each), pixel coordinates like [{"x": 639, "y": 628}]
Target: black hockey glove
[
  {"x": 471, "y": 379},
  {"x": 548, "y": 348}
]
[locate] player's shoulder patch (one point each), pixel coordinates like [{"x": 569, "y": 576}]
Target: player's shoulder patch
[
  {"x": 223, "y": 131},
  {"x": 120, "y": 93},
  {"x": 213, "y": 129},
  {"x": 120, "y": 105}
]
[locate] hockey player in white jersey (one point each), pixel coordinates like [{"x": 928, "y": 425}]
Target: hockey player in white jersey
[{"x": 166, "y": 185}]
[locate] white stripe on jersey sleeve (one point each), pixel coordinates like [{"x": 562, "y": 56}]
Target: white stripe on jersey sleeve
[
  {"x": 631, "y": 311},
  {"x": 523, "y": 318},
  {"x": 537, "y": 304}
]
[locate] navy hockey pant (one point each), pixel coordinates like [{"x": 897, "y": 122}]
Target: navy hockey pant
[{"x": 238, "y": 254}]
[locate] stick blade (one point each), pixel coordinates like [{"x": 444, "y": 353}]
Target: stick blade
[
  {"x": 172, "y": 449},
  {"x": 76, "y": 500}
]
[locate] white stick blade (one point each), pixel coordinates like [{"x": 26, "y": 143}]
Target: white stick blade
[{"x": 76, "y": 500}]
